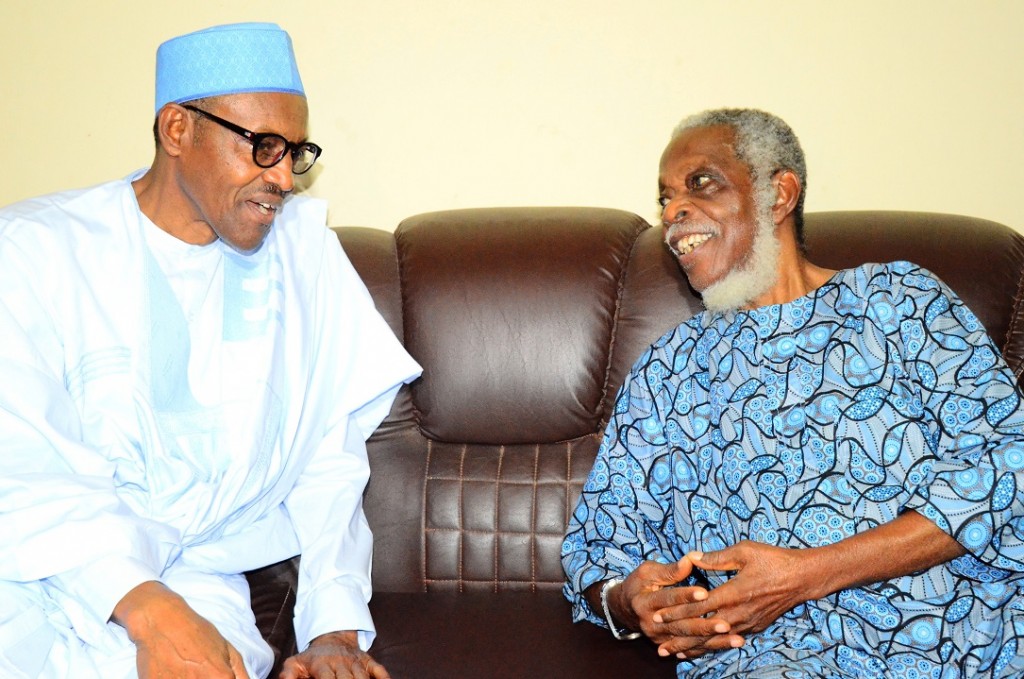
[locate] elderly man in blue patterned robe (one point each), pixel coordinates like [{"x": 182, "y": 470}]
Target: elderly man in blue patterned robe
[{"x": 818, "y": 476}]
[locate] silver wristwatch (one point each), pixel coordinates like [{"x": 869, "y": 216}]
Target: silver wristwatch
[{"x": 620, "y": 634}]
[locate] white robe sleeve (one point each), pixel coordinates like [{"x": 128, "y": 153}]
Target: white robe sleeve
[
  {"x": 358, "y": 368},
  {"x": 60, "y": 518}
]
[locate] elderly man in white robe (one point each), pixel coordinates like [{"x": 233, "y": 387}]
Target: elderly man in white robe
[{"x": 191, "y": 369}]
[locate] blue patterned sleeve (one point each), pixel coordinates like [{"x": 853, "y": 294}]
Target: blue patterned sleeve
[
  {"x": 620, "y": 520},
  {"x": 974, "y": 488}
]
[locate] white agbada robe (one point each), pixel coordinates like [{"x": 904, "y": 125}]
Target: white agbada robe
[{"x": 179, "y": 413}]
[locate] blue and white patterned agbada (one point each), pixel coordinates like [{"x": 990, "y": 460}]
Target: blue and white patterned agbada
[{"x": 798, "y": 425}]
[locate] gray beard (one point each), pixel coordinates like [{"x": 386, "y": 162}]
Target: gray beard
[{"x": 754, "y": 277}]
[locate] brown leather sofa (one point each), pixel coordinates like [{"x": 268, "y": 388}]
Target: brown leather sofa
[{"x": 526, "y": 321}]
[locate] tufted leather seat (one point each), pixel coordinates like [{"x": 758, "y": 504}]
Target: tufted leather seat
[{"x": 526, "y": 321}]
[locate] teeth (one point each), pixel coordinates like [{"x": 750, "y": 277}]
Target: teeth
[
  {"x": 266, "y": 208},
  {"x": 688, "y": 244}
]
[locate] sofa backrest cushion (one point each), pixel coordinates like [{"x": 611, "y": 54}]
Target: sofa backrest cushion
[
  {"x": 526, "y": 321},
  {"x": 512, "y": 315}
]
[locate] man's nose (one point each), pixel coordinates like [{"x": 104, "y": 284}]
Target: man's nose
[
  {"x": 281, "y": 174},
  {"x": 675, "y": 210}
]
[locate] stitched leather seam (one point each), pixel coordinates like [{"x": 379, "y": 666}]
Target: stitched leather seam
[
  {"x": 404, "y": 301},
  {"x": 568, "y": 480},
  {"x": 620, "y": 290},
  {"x": 462, "y": 508},
  {"x": 533, "y": 517},
  {"x": 502, "y": 581},
  {"x": 277, "y": 618},
  {"x": 481, "y": 531},
  {"x": 497, "y": 512},
  {"x": 504, "y": 482},
  {"x": 423, "y": 521},
  {"x": 1018, "y": 300}
]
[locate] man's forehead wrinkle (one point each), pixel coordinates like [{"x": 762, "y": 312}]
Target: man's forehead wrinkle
[
  {"x": 687, "y": 165},
  {"x": 705, "y": 148}
]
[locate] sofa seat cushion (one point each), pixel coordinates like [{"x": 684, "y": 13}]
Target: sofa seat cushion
[{"x": 509, "y": 635}]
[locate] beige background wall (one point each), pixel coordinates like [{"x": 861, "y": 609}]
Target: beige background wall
[{"x": 434, "y": 104}]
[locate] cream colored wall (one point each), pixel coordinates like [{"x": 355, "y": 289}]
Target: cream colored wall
[{"x": 435, "y": 104}]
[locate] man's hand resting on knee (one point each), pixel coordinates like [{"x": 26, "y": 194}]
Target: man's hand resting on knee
[
  {"x": 333, "y": 656},
  {"x": 644, "y": 600},
  {"x": 172, "y": 640}
]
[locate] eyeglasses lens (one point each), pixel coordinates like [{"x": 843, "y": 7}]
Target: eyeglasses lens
[
  {"x": 302, "y": 159},
  {"x": 272, "y": 148},
  {"x": 269, "y": 151}
]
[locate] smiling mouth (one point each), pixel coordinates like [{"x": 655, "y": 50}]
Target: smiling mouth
[
  {"x": 688, "y": 244},
  {"x": 265, "y": 208}
]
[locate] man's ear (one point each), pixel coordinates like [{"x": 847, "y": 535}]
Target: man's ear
[
  {"x": 787, "y": 194},
  {"x": 173, "y": 127}
]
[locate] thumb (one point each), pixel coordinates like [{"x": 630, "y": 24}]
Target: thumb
[
  {"x": 722, "y": 560},
  {"x": 292, "y": 669},
  {"x": 237, "y": 665},
  {"x": 668, "y": 574}
]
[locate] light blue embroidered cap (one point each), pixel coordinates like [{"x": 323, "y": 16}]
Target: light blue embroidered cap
[{"x": 229, "y": 59}]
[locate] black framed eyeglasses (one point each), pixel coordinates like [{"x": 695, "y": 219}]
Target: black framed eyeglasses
[{"x": 268, "y": 148}]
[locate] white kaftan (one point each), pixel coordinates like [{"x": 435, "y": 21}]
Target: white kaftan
[{"x": 179, "y": 413}]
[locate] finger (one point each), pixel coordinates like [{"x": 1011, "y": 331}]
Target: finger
[
  {"x": 664, "y": 574},
  {"x": 680, "y": 570},
  {"x": 688, "y": 628},
  {"x": 732, "y": 596},
  {"x": 692, "y": 647},
  {"x": 377, "y": 670},
  {"x": 723, "y": 560},
  {"x": 693, "y": 620},
  {"x": 689, "y": 602},
  {"x": 694, "y": 627},
  {"x": 237, "y": 664},
  {"x": 291, "y": 670},
  {"x": 328, "y": 671}
]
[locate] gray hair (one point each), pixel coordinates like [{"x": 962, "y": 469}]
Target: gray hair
[{"x": 766, "y": 144}]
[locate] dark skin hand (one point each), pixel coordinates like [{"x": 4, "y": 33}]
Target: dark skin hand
[
  {"x": 643, "y": 598},
  {"x": 768, "y": 581},
  {"x": 333, "y": 656}
]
